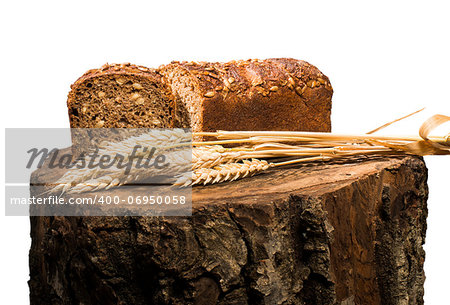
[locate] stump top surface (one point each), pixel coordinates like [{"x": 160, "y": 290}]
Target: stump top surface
[{"x": 312, "y": 179}]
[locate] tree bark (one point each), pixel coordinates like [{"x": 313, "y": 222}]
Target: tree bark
[{"x": 343, "y": 232}]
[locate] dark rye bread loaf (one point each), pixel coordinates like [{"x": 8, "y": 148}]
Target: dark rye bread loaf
[
  {"x": 271, "y": 94},
  {"x": 117, "y": 96}
]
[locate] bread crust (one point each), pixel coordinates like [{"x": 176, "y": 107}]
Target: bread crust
[
  {"x": 119, "y": 69},
  {"x": 271, "y": 94}
]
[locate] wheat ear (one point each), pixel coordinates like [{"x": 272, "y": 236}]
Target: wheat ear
[
  {"x": 179, "y": 161},
  {"x": 159, "y": 139},
  {"x": 211, "y": 156},
  {"x": 224, "y": 172}
]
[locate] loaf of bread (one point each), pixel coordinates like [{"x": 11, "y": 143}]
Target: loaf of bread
[
  {"x": 271, "y": 94},
  {"x": 120, "y": 95}
]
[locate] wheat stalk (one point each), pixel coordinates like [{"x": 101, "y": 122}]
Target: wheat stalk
[
  {"x": 224, "y": 172},
  {"x": 206, "y": 157},
  {"x": 213, "y": 163},
  {"x": 159, "y": 139},
  {"x": 85, "y": 179},
  {"x": 179, "y": 161},
  {"x": 417, "y": 145}
]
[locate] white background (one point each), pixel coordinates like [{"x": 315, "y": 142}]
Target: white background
[{"x": 384, "y": 59}]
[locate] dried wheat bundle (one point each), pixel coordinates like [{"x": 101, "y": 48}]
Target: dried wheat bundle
[
  {"x": 214, "y": 163},
  {"x": 92, "y": 179},
  {"x": 314, "y": 146}
]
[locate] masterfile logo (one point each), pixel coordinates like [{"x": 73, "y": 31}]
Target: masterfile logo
[{"x": 106, "y": 172}]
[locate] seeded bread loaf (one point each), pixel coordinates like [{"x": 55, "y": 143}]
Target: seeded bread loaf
[
  {"x": 117, "y": 96},
  {"x": 271, "y": 94}
]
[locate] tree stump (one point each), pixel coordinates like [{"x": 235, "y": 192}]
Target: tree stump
[{"x": 343, "y": 232}]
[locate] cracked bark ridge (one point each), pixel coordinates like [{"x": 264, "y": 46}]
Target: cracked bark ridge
[{"x": 347, "y": 232}]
